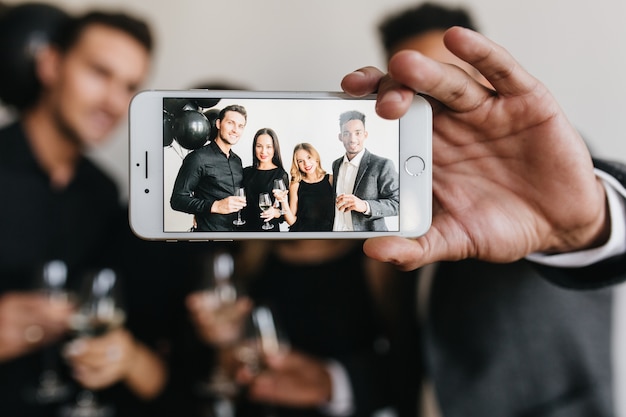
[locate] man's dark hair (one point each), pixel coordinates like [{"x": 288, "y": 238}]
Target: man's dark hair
[
  {"x": 236, "y": 108},
  {"x": 421, "y": 19},
  {"x": 345, "y": 117},
  {"x": 70, "y": 32}
]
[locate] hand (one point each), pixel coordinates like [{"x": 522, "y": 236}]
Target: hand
[
  {"x": 511, "y": 176},
  {"x": 100, "y": 362},
  {"x": 228, "y": 205},
  {"x": 349, "y": 202},
  {"x": 269, "y": 214},
  {"x": 218, "y": 325},
  {"x": 281, "y": 196},
  {"x": 292, "y": 379},
  {"x": 29, "y": 321}
]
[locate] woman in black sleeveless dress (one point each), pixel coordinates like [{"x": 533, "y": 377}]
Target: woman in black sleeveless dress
[{"x": 311, "y": 196}]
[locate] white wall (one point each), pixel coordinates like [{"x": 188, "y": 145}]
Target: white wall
[{"x": 577, "y": 48}]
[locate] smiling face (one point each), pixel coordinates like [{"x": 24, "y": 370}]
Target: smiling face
[
  {"x": 89, "y": 88},
  {"x": 230, "y": 128},
  {"x": 353, "y": 135},
  {"x": 264, "y": 149},
  {"x": 307, "y": 164}
]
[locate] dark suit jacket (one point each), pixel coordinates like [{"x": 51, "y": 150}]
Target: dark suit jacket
[
  {"x": 377, "y": 183},
  {"x": 501, "y": 340}
]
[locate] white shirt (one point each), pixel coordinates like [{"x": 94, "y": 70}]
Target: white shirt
[{"x": 344, "y": 184}]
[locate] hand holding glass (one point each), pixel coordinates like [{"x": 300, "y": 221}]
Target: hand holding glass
[{"x": 265, "y": 203}]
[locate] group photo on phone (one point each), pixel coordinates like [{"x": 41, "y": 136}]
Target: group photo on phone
[{"x": 272, "y": 165}]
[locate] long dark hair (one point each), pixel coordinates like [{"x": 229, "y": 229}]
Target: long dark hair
[{"x": 276, "y": 159}]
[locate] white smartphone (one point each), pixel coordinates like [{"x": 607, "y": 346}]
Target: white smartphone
[{"x": 347, "y": 172}]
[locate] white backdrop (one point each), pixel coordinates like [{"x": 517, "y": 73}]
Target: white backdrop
[{"x": 577, "y": 48}]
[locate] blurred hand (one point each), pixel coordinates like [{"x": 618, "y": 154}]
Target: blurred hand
[
  {"x": 100, "y": 362},
  {"x": 292, "y": 379},
  {"x": 29, "y": 321},
  {"x": 511, "y": 176}
]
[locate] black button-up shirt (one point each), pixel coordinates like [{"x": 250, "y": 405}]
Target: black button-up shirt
[{"x": 206, "y": 176}]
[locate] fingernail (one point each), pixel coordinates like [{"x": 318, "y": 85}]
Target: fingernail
[
  {"x": 75, "y": 348},
  {"x": 391, "y": 96}
]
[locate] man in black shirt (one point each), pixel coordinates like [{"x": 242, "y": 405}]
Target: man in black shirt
[
  {"x": 206, "y": 182},
  {"x": 59, "y": 205}
]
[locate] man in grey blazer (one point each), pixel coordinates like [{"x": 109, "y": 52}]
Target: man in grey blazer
[{"x": 366, "y": 185}]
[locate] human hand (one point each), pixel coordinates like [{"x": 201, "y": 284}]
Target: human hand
[
  {"x": 99, "y": 362},
  {"x": 29, "y": 321},
  {"x": 217, "y": 324},
  {"x": 228, "y": 205},
  {"x": 349, "y": 202},
  {"x": 290, "y": 379},
  {"x": 511, "y": 176}
]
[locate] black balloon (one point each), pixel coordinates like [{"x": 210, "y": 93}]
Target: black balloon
[
  {"x": 206, "y": 103},
  {"x": 191, "y": 129},
  {"x": 24, "y": 29},
  {"x": 212, "y": 115},
  {"x": 168, "y": 128}
]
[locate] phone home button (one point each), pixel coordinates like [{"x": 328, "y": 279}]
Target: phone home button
[{"x": 414, "y": 166}]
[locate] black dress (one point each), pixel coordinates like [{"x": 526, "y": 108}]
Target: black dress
[
  {"x": 316, "y": 207},
  {"x": 256, "y": 181}
]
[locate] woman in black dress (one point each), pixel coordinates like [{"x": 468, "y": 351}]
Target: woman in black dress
[
  {"x": 267, "y": 166},
  {"x": 311, "y": 196}
]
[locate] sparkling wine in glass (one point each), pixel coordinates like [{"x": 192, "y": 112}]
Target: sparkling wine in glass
[
  {"x": 263, "y": 336},
  {"x": 51, "y": 388},
  {"x": 99, "y": 311},
  {"x": 239, "y": 192},
  {"x": 265, "y": 203},
  {"x": 279, "y": 185},
  {"x": 220, "y": 295}
]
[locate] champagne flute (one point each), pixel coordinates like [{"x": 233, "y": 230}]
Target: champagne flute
[
  {"x": 220, "y": 296},
  {"x": 99, "y": 311},
  {"x": 265, "y": 203},
  {"x": 239, "y": 192},
  {"x": 51, "y": 388},
  {"x": 279, "y": 185},
  {"x": 264, "y": 336}
]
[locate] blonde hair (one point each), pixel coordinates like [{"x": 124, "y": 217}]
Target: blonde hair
[{"x": 296, "y": 174}]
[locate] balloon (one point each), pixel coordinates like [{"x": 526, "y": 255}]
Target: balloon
[
  {"x": 24, "y": 30},
  {"x": 206, "y": 103},
  {"x": 191, "y": 129},
  {"x": 168, "y": 128},
  {"x": 212, "y": 115}
]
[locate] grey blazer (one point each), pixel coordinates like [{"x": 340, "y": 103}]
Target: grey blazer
[{"x": 377, "y": 183}]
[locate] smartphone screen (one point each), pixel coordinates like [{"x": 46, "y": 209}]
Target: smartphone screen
[{"x": 269, "y": 165}]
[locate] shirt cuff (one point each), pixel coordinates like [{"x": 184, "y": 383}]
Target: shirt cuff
[
  {"x": 616, "y": 245},
  {"x": 341, "y": 402},
  {"x": 368, "y": 210}
]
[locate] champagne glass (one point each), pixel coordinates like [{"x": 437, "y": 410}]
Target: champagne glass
[
  {"x": 239, "y": 192},
  {"x": 99, "y": 311},
  {"x": 265, "y": 203},
  {"x": 51, "y": 388},
  {"x": 264, "y": 336},
  {"x": 279, "y": 185},
  {"x": 220, "y": 295}
]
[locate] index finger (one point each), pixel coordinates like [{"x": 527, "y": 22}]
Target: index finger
[{"x": 493, "y": 61}]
